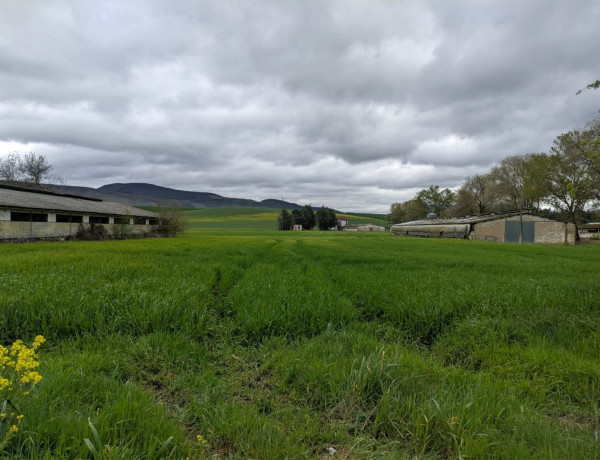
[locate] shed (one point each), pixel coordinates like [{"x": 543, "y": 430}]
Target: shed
[
  {"x": 509, "y": 227},
  {"x": 590, "y": 231},
  {"x": 342, "y": 221},
  {"x": 41, "y": 214}
]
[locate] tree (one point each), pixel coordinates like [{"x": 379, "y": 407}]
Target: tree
[
  {"x": 477, "y": 195},
  {"x": 285, "y": 220},
  {"x": 171, "y": 221},
  {"x": 9, "y": 168},
  {"x": 298, "y": 217},
  {"x": 326, "y": 218},
  {"x": 512, "y": 184},
  {"x": 594, "y": 85},
  {"x": 310, "y": 219},
  {"x": 31, "y": 170},
  {"x": 407, "y": 211},
  {"x": 34, "y": 168},
  {"x": 437, "y": 201},
  {"x": 564, "y": 179}
]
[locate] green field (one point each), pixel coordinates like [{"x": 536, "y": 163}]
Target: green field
[{"x": 286, "y": 344}]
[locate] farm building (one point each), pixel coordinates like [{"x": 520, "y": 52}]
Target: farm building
[
  {"x": 341, "y": 222},
  {"x": 27, "y": 214},
  {"x": 510, "y": 227},
  {"x": 363, "y": 228},
  {"x": 590, "y": 231}
]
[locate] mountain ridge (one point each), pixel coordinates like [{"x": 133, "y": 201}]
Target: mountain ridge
[{"x": 145, "y": 194}]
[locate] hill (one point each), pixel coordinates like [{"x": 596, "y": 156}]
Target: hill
[{"x": 142, "y": 194}]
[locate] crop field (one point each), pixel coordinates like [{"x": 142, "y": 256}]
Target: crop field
[{"x": 273, "y": 345}]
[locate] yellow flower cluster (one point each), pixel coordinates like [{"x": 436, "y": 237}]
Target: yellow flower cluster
[
  {"x": 200, "y": 439},
  {"x": 17, "y": 373},
  {"x": 18, "y": 362}
]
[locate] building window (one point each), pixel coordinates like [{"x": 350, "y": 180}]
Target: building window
[
  {"x": 139, "y": 221},
  {"x": 122, "y": 220},
  {"x": 98, "y": 220},
  {"x": 153, "y": 221},
  {"x": 28, "y": 217},
  {"x": 69, "y": 218}
]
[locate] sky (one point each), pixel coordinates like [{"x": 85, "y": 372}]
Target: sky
[{"x": 351, "y": 104}]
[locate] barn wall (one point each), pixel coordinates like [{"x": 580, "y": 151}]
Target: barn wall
[
  {"x": 546, "y": 231},
  {"x": 492, "y": 230},
  {"x": 554, "y": 233},
  {"x": 34, "y": 230}
]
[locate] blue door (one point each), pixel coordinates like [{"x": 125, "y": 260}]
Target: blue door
[{"x": 512, "y": 231}]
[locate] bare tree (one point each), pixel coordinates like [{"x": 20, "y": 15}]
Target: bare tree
[
  {"x": 30, "y": 170},
  {"x": 34, "y": 168},
  {"x": 9, "y": 168}
]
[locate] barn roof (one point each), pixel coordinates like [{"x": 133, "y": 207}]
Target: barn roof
[
  {"x": 43, "y": 200},
  {"x": 590, "y": 225},
  {"x": 464, "y": 220}
]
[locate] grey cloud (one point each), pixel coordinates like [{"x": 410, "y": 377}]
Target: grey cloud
[{"x": 357, "y": 103}]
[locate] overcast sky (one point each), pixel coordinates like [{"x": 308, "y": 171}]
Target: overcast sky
[{"x": 351, "y": 104}]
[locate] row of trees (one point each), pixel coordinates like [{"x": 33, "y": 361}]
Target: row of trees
[
  {"x": 29, "y": 170},
  {"x": 324, "y": 218},
  {"x": 566, "y": 181}
]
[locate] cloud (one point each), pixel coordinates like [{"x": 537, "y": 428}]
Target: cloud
[{"x": 356, "y": 104}]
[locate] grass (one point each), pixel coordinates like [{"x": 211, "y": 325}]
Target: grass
[{"x": 285, "y": 344}]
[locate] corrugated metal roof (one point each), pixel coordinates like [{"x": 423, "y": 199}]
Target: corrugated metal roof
[
  {"x": 12, "y": 197},
  {"x": 463, "y": 220}
]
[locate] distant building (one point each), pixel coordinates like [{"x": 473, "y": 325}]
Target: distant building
[
  {"x": 590, "y": 231},
  {"x": 364, "y": 228},
  {"x": 341, "y": 222},
  {"x": 27, "y": 214},
  {"x": 510, "y": 227},
  {"x": 297, "y": 228}
]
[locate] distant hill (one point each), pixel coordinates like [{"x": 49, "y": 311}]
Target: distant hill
[{"x": 141, "y": 194}]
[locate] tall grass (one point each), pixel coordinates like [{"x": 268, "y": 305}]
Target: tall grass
[{"x": 286, "y": 344}]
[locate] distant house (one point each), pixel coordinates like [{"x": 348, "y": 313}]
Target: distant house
[
  {"x": 510, "y": 227},
  {"x": 341, "y": 222},
  {"x": 590, "y": 231},
  {"x": 27, "y": 214}
]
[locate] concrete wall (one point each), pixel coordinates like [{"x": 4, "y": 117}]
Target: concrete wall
[
  {"x": 546, "y": 231},
  {"x": 489, "y": 231},
  {"x": 34, "y": 230},
  {"x": 370, "y": 228},
  {"x": 554, "y": 233}
]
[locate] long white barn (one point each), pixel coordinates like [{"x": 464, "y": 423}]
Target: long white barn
[
  {"x": 27, "y": 214},
  {"x": 509, "y": 227}
]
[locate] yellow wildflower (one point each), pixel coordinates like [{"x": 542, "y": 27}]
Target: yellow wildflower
[
  {"x": 14, "y": 429},
  {"x": 38, "y": 341},
  {"x": 201, "y": 439}
]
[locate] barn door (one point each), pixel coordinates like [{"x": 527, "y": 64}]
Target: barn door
[
  {"x": 528, "y": 232},
  {"x": 512, "y": 231}
]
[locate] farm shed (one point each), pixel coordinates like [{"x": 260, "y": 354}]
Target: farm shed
[
  {"x": 27, "y": 214},
  {"x": 342, "y": 222},
  {"x": 363, "y": 228},
  {"x": 590, "y": 231},
  {"x": 510, "y": 227}
]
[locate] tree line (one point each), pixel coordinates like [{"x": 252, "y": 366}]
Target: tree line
[
  {"x": 324, "y": 218},
  {"x": 565, "y": 182}
]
